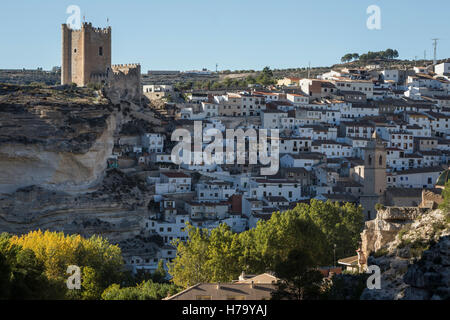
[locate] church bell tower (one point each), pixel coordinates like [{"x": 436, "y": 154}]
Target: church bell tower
[{"x": 374, "y": 176}]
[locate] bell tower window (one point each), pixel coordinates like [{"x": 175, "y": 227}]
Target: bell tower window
[{"x": 100, "y": 51}]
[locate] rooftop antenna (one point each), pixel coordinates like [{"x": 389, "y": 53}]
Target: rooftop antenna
[
  {"x": 107, "y": 22},
  {"x": 217, "y": 65},
  {"x": 435, "y": 40},
  {"x": 424, "y": 55}
]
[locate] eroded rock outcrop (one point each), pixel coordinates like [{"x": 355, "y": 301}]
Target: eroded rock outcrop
[
  {"x": 58, "y": 138},
  {"x": 412, "y": 248},
  {"x": 384, "y": 228},
  {"x": 115, "y": 209},
  {"x": 54, "y": 146}
]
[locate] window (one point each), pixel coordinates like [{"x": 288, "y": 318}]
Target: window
[{"x": 100, "y": 51}]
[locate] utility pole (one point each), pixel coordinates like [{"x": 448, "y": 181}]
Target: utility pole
[
  {"x": 217, "y": 65},
  {"x": 424, "y": 55},
  {"x": 435, "y": 40}
]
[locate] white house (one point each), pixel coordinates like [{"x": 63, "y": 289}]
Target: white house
[
  {"x": 264, "y": 187},
  {"x": 214, "y": 191},
  {"x": 414, "y": 178},
  {"x": 332, "y": 149},
  {"x": 169, "y": 231},
  {"x": 301, "y": 160},
  {"x": 442, "y": 68},
  {"x": 173, "y": 182},
  {"x": 391, "y": 75},
  {"x": 297, "y": 99},
  {"x": 154, "y": 142},
  {"x": 271, "y": 119}
]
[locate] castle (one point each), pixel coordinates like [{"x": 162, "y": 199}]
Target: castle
[
  {"x": 86, "y": 54},
  {"x": 86, "y": 58}
]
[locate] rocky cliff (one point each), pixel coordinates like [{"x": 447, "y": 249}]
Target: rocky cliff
[
  {"x": 54, "y": 146},
  {"x": 57, "y": 138},
  {"x": 412, "y": 248}
]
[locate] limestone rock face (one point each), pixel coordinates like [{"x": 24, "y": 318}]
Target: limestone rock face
[
  {"x": 115, "y": 209},
  {"x": 56, "y": 138},
  {"x": 414, "y": 260},
  {"x": 384, "y": 228},
  {"x": 54, "y": 146}
]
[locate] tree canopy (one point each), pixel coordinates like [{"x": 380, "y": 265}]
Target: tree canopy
[
  {"x": 313, "y": 229},
  {"x": 45, "y": 256},
  {"x": 386, "y": 54}
]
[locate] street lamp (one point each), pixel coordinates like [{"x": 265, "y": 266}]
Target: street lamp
[{"x": 334, "y": 253}]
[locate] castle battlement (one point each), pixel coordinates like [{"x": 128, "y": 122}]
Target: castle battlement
[
  {"x": 86, "y": 56},
  {"x": 127, "y": 65},
  {"x": 87, "y": 26},
  {"x": 126, "y": 68}
]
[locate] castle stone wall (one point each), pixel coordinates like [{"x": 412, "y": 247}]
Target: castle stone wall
[{"x": 86, "y": 53}]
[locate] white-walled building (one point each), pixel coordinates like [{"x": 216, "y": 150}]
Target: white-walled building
[
  {"x": 173, "y": 182},
  {"x": 442, "y": 68},
  {"x": 154, "y": 142},
  {"x": 414, "y": 178},
  {"x": 289, "y": 189},
  {"x": 297, "y": 99},
  {"x": 301, "y": 160}
]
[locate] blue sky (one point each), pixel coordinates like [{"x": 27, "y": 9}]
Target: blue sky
[{"x": 236, "y": 34}]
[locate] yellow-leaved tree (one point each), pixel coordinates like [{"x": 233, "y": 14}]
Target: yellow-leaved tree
[{"x": 100, "y": 262}]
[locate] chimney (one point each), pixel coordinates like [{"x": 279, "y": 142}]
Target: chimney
[
  {"x": 242, "y": 276},
  {"x": 218, "y": 286},
  {"x": 252, "y": 285}
]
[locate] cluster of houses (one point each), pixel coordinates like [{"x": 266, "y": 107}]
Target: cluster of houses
[{"x": 366, "y": 136}]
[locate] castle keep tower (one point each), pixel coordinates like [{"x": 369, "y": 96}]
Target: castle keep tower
[
  {"x": 374, "y": 176},
  {"x": 86, "y": 54}
]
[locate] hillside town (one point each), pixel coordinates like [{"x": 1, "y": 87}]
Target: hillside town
[
  {"x": 365, "y": 135},
  {"x": 370, "y": 137}
]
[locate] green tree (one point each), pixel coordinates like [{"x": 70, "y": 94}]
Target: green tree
[
  {"x": 347, "y": 58},
  {"x": 147, "y": 290},
  {"x": 190, "y": 264},
  {"x": 22, "y": 275},
  {"x": 445, "y": 205},
  {"x": 160, "y": 273},
  {"x": 90, "y": 284},
  {"x": 299, "y": 279},
  {"x": 221, "y": 255},
  {"x": 99, "y": 261}
]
